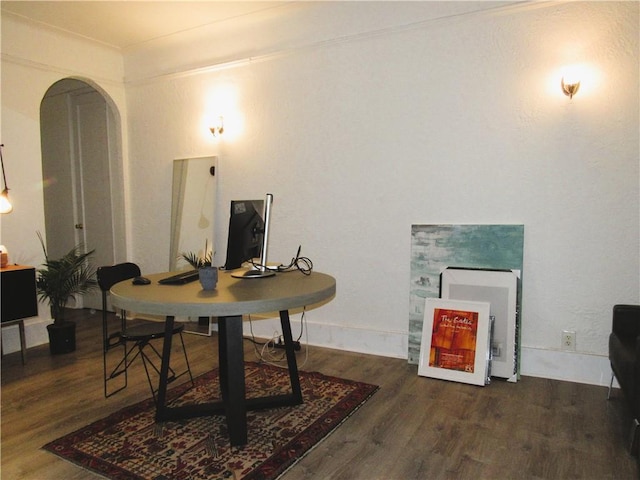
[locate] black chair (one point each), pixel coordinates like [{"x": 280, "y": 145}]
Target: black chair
[
  {"x": 133, "y": 340},
  {"x": 624, "y": 355}
]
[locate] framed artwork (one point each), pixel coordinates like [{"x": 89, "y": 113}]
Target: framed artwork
[
  {"x": 436, "y": 247},
  {"x": 500, "y": 289},
  {"x": 455, "y": 341}
]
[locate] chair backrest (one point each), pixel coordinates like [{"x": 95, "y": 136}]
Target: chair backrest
[
  {"x": 626, "y": 321},
  {"x": 108, "y": 276}
]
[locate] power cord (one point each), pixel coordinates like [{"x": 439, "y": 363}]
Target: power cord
[
  {"x": 272, "y": 352},
  {"x": 302, "y": 264}
]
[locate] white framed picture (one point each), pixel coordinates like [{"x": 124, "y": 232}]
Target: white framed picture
[
  {"x": 455, "y": 341},
  {"x": 500, "y": 289}
]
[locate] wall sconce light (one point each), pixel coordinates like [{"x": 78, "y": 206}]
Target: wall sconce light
[
  {"x": 217, "y": 129},
  {"x": 5, "y": 204},
  {"x": 570, "y": 88}
]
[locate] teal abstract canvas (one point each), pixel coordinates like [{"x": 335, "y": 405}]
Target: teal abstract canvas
[{"x": 436, "y": 247}]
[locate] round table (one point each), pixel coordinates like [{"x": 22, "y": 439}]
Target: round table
[{"x": 232, "y": 298}]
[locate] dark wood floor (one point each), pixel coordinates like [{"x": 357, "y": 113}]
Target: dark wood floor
[{"x": 412, "y": 428}]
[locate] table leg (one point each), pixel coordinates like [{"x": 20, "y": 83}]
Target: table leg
[
  {"x": 222, "y": 357},
  {"x": 232, "y": 380},
  {"x": 291, "y": 357},
  {"x": 164, "y": 368},
  {"x": 234, "y": 403},
  {"x": 23, "y": 342}
]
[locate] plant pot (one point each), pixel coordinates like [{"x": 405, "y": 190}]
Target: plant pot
[
  {"x": 62, "y": 338},
  {"x": 208, "y": 277}
]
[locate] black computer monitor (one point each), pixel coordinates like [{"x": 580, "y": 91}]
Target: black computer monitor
[
  {"x": 248, "y": 236},
  {"x": 246, "y": 230}
]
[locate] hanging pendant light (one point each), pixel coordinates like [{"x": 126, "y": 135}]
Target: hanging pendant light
[{"x": 5, "y": 204}]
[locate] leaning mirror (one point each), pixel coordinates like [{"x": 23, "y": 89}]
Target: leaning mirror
[
  {"x": 193, "y": 198},
  {"x": 192, "y": 208}
]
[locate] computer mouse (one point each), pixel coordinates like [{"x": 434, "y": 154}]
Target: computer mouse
[{"x": 141, "y": 281}]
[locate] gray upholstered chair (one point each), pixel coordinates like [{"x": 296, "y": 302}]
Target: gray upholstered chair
[{"x": 624, "y": 355}]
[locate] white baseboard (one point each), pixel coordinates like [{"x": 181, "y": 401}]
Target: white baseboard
[
  {"x": 35, "y": 333},
  {"x": 553, "y": 364},
  {"x": 353, "y": 339},
  {"x": 570, "y": 366}
]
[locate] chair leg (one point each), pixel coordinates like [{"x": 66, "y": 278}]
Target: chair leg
[
  {"x": 635, "y": 437},
  {"x": 129, "y": 356},
  {"x": 610, "y": 385},
  {"x": 148, "y": 362},
  {"x": 145, "y": 359},
  {"x": 186, "y": 359},
  {"x": 114, "y": 341},
  {"x": 172, "y": 372},
  {"x": 120, "y": 369}
]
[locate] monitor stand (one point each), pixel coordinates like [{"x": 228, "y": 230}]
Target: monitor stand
[{"x": 254, "y": 274}]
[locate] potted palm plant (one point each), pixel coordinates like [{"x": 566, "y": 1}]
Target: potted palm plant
[
  {"x": 197, "y": 261},
  {"x": 207, "y": 274},
  {"x": 58, "y": 281}
]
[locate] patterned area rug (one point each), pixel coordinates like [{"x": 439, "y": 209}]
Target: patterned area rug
[{"x": 129, "y": 445}]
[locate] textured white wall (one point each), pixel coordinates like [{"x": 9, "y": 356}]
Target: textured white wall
[
  {"x": 458, "y": 120},
  {"x": 33, "y": 59},
  {"x": 412, "y": 114}
]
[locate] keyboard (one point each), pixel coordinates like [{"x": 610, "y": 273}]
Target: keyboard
[{"x": 181, "y": 278}]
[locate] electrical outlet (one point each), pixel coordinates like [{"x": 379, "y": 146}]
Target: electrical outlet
[{"x": 568, "y": 340}]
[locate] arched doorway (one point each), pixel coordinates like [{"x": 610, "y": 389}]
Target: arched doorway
[{"x": 82, "y": 174}]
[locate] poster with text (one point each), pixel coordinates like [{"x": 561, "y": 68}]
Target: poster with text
[
  {"x": 455, "y": 343},
  {"x": 453, "y": 339}
]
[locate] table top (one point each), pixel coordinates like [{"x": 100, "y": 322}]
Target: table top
[{"x": 232, "y": 296}]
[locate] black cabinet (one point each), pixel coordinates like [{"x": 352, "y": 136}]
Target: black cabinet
[{"x": 19, "y": 299}]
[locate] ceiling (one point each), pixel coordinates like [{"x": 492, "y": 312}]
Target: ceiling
[{"x": 123, "y": 24}]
